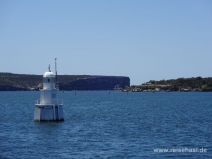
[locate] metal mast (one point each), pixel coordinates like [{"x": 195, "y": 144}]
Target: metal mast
[
  {"x": 49, "y": 68},
  {"x": 55, "y": 64}
]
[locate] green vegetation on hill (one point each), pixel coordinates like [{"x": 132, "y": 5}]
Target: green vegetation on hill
[
  {"x": 198, "y": 83},
  {"x": 180, "y": 84},
  {"x": 10, "y": 82}
]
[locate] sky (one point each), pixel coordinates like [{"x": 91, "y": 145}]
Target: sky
[{"x": 143, "y": 39}]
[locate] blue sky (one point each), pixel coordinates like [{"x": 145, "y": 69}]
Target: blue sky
[{"x": 145, "y": 40}]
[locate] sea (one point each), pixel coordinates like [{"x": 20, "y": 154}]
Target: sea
[{"x": 109, "y": 124}]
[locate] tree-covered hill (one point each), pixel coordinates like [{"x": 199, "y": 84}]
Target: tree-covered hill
[
  {"x": 194, "y": 83},
  {"x": 180, "y": 84},
  {"x": 10, "y": 82}
]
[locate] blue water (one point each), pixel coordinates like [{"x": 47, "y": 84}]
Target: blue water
[{"x": 102, "y": 124}]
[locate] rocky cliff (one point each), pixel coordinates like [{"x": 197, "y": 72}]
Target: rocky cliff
[{"x": 13, "y": 82}]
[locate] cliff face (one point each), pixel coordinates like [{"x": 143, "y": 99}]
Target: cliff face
[
  {"x": 96, "y": 83},
  {"x": 12, "y": 82}
]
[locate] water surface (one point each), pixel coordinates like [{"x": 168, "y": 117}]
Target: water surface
[{"x": 103, "y": 124}]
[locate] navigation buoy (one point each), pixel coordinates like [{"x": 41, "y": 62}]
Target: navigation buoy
[{"x": 49, "y": 107}]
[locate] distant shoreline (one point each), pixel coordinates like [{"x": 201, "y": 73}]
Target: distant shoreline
[
  {"x": 194, "y": 84},
  {"x": 27, "y": 82}
]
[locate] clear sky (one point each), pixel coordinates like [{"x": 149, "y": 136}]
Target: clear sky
[{"x": 145, "y": 40}]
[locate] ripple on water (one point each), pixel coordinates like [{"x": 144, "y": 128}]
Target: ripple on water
[{"x": 103, "y": 125}]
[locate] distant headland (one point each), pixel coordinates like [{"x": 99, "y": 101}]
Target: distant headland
[
  {"x": 194, "y": 84},
  {"x": 27, "y": 82}
]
